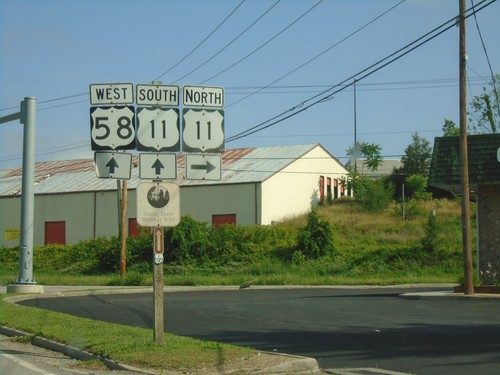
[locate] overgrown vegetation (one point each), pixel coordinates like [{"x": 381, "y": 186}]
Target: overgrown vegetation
[{"x": 343, "y": 243}]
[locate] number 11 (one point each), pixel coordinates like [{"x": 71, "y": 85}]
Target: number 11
[
  {"x": 198, "y": 129},
  {"x": 164, "y": 123}
]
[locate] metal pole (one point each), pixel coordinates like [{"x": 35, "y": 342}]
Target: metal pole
[
  {"x": 464, "y": 171},
  {"x": 28, "y": 118}
]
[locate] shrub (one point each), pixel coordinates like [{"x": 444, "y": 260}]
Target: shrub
[
  {"x": 316, "y": 238},
  {"x": 187, "y": 242},
  {"x": 372, "y": 194},
  {"x": 431, "y": 239}
]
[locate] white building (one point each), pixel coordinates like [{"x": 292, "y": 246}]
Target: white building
[{"x": 258, "y": 186}]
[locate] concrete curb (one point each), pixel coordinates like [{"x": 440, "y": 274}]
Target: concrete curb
[
  {"x": 299, "y": 365},
  {"x": 72, "y": 351}
]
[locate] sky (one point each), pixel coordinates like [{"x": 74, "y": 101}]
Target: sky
[{"x": 285, "y": 65}]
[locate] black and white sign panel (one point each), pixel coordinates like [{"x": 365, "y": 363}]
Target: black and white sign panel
[
  {"x": 112, "y": 128},
  {"x": 203, "y": 96},
  {"x": 157, "y": 95},
  {"x": 113, "y": 165},
  {"x": 158, "y": 166},
  {"x": 202, "y": 130},
  {"x": 158, "y": 129},
  {"x": 203, "y": 167},
  {"x": 111, "y": 94}
]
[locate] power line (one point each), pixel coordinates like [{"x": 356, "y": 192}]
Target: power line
[
  {"x": 203, "y": 41},
  {"x": 266, "y": 43},
  {"x": 318, "y": 55},
  {"x": 493, "y": 80},
  {"x": 231, "y": 42},
  {"x": 329, "y": 93}
]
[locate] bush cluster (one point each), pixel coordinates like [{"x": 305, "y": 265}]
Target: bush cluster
[{"x": 191, "y": 243}]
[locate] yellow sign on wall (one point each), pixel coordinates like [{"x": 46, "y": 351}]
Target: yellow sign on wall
[{"x": 11, "y": 234}]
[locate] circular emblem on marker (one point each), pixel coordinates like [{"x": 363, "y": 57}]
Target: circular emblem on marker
[{"x": 158, "y": 197}]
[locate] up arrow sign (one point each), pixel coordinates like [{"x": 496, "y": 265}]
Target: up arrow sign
[
  {"x": 158, "y": 166},
  {"x": 113, "y": 165}
]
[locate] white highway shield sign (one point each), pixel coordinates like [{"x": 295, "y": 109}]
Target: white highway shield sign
[
  {"x": 202, "y": 130},
  {"x": 158, "y": 204},
  {"x": 113, "y": 165},
  {"x": 156, "y": 166},
  {"x": 203, "y": 167},
  {"x": 111, "y": 93},
  {"x": 112, "y": 128},
  {"x": 158, "y": 129}
]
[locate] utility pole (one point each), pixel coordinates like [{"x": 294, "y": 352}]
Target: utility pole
[
  {"x": 355, "y": 147},
  {"x": 25, "y": 282},
  {"x": 464, "y": 170}
]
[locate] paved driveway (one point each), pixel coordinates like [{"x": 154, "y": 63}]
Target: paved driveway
[{"x": 351, "y": 327}]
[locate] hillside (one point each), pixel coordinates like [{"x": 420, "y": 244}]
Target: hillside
[{"x": 363, "y": 248}]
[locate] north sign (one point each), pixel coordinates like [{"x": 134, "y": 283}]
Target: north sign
[
  {"x": 203, "y": 96},
  {"x": 112, "y": 128},
  {"x": 203, "y": 167},
  {"x": 113, "y": 165},
  {"x": 111, "y": 93},
  {"x": 157, "y": 95},
  {"x": 158, "y": 129},
  {"x": 157, "y": 166},
  {"x": 158, "y": 204},
  {"x": 202, "y": 130}
]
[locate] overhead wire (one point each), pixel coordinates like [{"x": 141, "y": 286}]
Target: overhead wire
[
  {"x": 264, "y": 44},
  {"x": 201, "y": 43},
  {"x": 228, "y": 44},
  {"x": 493, "y": 79},
  {"x": 330, "y": 92},
  {"x": 318, "y": 55}
]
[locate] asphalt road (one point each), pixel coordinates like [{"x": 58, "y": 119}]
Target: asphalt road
[{"x": 341, "y": 328}]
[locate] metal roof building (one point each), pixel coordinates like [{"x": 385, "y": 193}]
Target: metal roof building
[{"x": 258, "y": 186}]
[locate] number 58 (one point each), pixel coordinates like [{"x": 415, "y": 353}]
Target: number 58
[{"x": 113, "y": 128}]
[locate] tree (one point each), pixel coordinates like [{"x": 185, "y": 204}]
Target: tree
[
  {"x": 370, "y": 152},
  {"x": 417, "y": 157},
  {"x": 484, "y": 113},
  {"x": 484, "y": 110},
  {"x": 450, "y": 129}
]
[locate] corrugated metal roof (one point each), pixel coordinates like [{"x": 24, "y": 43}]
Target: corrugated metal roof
[
  {"x": 484, "y": 168},
  {"x": 242, "y": 165}
]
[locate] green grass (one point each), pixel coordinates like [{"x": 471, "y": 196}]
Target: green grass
[
  {"x": 130, "y": 345},
  {"x": 376, "y": 249}
]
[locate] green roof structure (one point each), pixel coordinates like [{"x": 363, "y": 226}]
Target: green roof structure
[{"x": 484, "y": 165}]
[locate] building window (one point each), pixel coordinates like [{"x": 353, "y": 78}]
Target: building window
[
  {"x": 55, "y": 232},
  {"x": 133, "y": 228},
  {"x": 223, "y": 219},
  {"x": 335, "y": 188}
]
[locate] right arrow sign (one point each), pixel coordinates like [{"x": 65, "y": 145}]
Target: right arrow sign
[{"x": 203, "y": 167}]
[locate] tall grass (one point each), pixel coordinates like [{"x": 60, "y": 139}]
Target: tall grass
[{"x": 368, "y": 248}]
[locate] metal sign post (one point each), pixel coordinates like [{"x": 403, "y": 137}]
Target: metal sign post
[{"x": 25, "y": 282}]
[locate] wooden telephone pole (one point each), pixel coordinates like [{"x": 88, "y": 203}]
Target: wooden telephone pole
[{"x": 464, "y": 170}]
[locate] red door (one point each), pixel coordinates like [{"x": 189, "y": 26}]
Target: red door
[
  {"x": 55, "y": 232},
  {"x": 223, "y": 219}
]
